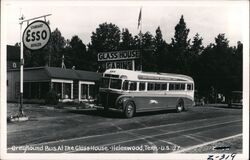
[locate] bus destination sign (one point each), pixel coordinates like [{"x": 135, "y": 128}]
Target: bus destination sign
[
  {"x": 36, "y": 35},
  {"x": 118, "y": 55}
]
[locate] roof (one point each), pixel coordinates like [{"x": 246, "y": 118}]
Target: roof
[
  {"x": 48, "y": 73},
  {"x": 134, "y": 75},
  {"x": 13, "y": 53},
  {"x": 61, "y": 73},
  {"x": 87, "y": 75}
]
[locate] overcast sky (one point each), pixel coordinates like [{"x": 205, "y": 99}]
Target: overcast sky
[{"x": 82, "y": 18}]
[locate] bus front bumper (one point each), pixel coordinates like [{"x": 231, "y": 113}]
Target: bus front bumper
[{"x": 110, "y": 109}]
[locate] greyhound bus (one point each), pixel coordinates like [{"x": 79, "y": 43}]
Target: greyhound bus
[{"x": 135, "y": 91}]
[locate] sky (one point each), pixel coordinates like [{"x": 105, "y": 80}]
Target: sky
[{"x": 81, "y": 18}]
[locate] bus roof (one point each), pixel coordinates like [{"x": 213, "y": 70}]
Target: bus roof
[{"x": 140, "y": 75}]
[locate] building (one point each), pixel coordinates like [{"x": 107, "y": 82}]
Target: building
[
  {"x": 69, "y": 84},
  {"x": 13, "y": 57}
]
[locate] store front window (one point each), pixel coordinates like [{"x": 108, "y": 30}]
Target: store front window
[{"x": 87, "y": 91}]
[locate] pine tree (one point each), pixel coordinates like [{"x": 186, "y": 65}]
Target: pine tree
[
  {"x": 197, "y": 47},
  {"x": 160, "y": 51},
  {"x": 180, "y": 47},
  {"x": 180, "y": 40},
  {"x": 159, "y": 42}
]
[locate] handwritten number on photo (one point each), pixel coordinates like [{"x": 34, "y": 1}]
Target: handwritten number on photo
[{"x": 222, "y": 157}]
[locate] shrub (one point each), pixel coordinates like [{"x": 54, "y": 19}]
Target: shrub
[{"x": 51, "y": 98}]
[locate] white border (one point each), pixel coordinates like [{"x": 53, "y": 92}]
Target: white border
[{"x": 55, "y": 3}]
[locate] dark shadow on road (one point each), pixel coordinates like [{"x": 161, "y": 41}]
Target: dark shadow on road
[
  {"x": 99, "y": 113},
  {"x": 227, "y": 107},
  {"x": 149, "y": 113},
  {"x": 119, "y": 115}
]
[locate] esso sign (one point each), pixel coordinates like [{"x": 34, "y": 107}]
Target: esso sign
[{"x": 36, "y": 35}]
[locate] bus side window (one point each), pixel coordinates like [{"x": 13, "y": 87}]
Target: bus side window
[
  {"x": 189, "y": 87},
  {"x": 157, "y": 86},
  {"x": 164, "y": 86},
  {"x": 171, "y": 86},
  {"x": 125, "y": 85},
  {"x": 177, "y": 86},
  {"x": 150, "y": 86},
  {"x": 133, "y": 86},
  {"x": 182, "y": 86},
  {"x": 141, "y": 86}
]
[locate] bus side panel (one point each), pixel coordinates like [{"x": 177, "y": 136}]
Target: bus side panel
[
  {"x": 151, "y": 103},
  {"x": 159, "y": 102},
  {"x": 172, "y": 101}
]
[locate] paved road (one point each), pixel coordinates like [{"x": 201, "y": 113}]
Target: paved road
[{"x": 93, "y": 131}]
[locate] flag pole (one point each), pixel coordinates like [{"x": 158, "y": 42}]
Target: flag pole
[{"x": 140, "y": 34}]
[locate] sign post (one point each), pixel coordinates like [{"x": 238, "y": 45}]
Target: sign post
[
  {"x": 35, "y": 36},
  {"x": 21, "y": 73}
]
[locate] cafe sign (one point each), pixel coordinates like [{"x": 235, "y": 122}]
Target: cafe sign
[
  {"x": 36, "y": 35},
  {"x": 118, "y": 55}
]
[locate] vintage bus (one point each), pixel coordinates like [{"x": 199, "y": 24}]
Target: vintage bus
[{"x": 135, "y": 91}]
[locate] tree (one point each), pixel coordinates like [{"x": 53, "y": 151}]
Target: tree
[
  {"x": 159, "y": 42},
  {"x": 75, "y": 54},
  {"x": 180, "y": 40},
  {"x": 106, "y": 38},
  {"x": 148, "y": 59},
  {"x": 196, "y": 47},
  {"x": 127, "y": 42},
  {"x": 237, "y": 67},
  {"x": 54, "y": 48},
  {"x": 161, "y": 51},
  {"x": 219, "y": 67},
  {"x": 221, "y": 41},
  {"x": 180, "y": 47},
  {"x": 196, "y": 50}
]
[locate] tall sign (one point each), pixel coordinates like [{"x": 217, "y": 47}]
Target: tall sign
[
  {"x": 36, "y": 35},
  {"x": 119, "y": 59}
]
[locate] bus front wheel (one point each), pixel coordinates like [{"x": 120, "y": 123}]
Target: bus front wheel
[
  {"x": 180, "y": 106},
  {"x": 129, "y": 109}
]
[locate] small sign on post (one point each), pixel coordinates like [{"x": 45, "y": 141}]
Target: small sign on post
[{"x": 36, "y": 35}]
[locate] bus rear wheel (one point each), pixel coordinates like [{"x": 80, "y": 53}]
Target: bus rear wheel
[
  {"x": 180, "y": 106},
  {"x": 129, "y": 110}
]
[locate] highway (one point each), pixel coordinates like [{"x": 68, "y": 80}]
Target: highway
[{"x": 92, "y": 131}]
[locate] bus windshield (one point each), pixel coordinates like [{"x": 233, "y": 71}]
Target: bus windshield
[
  {"x": 111, "y": 83},
  {"x": 116, "y": 83}
]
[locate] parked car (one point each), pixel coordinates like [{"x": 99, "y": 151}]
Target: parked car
[{"x": 235, "y": 99}]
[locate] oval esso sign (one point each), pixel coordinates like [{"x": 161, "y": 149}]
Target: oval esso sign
[{"x": 36, "y": 35}]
